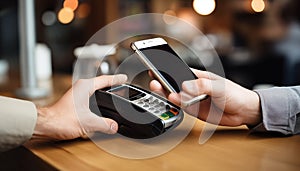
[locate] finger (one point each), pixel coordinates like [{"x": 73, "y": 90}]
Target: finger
[
  {"x": 198, "y": 87},
  {"x": 150, "y": 74},
  {"x": 175, "y": 98},
  {"x": 111, "y": 126},
  {"x": 108, "y": 80},
  {"x": 95, "y": 123},
  {"x": 205, "y": 74},
  {"x": 191, "y": 110},
  {"x": 156, "y": 87}
]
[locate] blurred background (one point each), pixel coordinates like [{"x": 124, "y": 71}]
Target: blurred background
[{"x": 258, "y": 41}]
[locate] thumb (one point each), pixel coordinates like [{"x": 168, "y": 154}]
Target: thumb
[{"x": 96, "y": 123}]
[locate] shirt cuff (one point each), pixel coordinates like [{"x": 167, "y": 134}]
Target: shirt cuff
[
  {"x": 17, "y": 122},
  {"x": 275, "y": 111}
]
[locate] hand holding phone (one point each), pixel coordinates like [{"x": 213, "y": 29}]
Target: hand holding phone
[{"x": 166, "y": 66}]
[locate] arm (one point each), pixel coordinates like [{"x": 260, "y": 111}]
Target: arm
[
  {"x": 17, "y": 122},
  {"x": 66, "y": 119},
  {"x": 275, "y": 109},
  {"x": 280, "y": 109}
]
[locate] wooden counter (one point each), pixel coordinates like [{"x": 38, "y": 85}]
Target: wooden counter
[{"x": 228, "y": 149}]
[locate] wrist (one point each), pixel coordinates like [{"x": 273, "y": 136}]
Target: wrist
[
  {"x": 41, "y": 123},
  {"x": 252, "y": 111}
]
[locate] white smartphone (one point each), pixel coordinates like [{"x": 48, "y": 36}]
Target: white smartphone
[{"x": 166, "y": 66}]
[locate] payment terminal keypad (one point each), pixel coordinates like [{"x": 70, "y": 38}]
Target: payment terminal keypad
[{"x": 158, "y": 107}]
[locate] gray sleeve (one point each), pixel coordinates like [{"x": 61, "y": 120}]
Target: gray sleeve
[
  {"x": 280, "y": 108},
  {"x": 17, "y": 122}
]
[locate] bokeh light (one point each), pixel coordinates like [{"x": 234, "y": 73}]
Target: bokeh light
[
  {"x": 48, "y": 18},
  {"x": 65, "y": 15},
  {"x": 204, "y": 7},
  {"x": 258, "y": 5},
  {"x": 72, "y": 4},
  {"x": 83, "y": 10}
]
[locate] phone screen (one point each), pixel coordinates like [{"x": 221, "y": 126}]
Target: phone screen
[{"x": 169, "y": 64}]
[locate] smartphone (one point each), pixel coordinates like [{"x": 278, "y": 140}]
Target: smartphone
[
  {"x": 139, "y": 113},
  {"x": 166, "y": 66}
]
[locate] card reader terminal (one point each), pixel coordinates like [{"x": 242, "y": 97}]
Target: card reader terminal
[{"x": 139, "y": 113}]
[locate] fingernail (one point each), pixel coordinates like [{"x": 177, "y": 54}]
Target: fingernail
[{"x": 114, "y": 127}]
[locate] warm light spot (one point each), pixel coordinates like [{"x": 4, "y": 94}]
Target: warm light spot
[
  {"x": 204, "y": 7},
  {"x": 65, "y": 15},
  {"x": 83, "y": 10},
  {"x": 188, "y": 15},
  {"x": 258, "y": 5},
  {"x": 169, "y": 17},
  {"x": 72, "y": 4}
]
